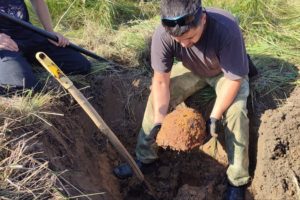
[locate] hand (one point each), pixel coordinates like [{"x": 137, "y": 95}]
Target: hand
[
  {"x": 62, "y": 41},
  {"x": 7, "y": 43},
  {"x": 213, "y": 126},
  {"x": 153, "y": 133}
]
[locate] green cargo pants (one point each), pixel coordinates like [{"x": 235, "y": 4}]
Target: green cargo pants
[{"x": 236, "y": 123}]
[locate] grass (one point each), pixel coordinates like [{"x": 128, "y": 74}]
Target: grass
[
  {"x": 22, "y": 173},
  {"x": 129, "y": 45},
  {"x": 28, "y": 103},
  {"x": 72, "y": 14}
]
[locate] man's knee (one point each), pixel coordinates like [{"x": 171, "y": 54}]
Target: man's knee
[
  {"x": 237, "y": 123},
  {"x": 237, "y": 109}
]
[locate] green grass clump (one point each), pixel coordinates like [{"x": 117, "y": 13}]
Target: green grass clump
[
  {"x": 26, "y": 104},
  {"x": 128, "y": 45},
  {"x": 72, "y": 14}
]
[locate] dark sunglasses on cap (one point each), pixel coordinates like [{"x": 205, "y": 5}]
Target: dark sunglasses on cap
[{"x": 182, "y": 20}]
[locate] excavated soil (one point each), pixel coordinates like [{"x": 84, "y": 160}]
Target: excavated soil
[
  {"x": 84, "y": 157},
  {"x": 277, "y": 174},
  {"x": 182, "y": 130}
]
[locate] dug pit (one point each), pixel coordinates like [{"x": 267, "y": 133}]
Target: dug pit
[{"x": 84, "y": 158}]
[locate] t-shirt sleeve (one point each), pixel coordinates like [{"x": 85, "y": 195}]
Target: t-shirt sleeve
[
  {"x": 161, "y": 51},
  {"x": 233, "y": 57}
]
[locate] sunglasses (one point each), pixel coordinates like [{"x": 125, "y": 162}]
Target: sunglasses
[{"x": 182, "y": 20}]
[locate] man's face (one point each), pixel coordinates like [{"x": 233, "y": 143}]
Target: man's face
[{"x": 192, "y": 36}]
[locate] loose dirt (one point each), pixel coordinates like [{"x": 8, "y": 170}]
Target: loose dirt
[
  {"x": 277, "y": 173},
  {"x": 84, "y": 158}
]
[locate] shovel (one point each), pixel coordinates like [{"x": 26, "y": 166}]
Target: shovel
[{"x": 54, "y": 70}]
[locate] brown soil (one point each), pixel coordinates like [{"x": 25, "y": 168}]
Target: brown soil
[
  {"x": 182, "y": 130},
  {"x": 85, "y": 158},
  {"x": 277, "y": 174}
]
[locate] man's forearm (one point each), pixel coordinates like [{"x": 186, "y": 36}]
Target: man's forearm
[
  {"x": 43, "y": 14},
  {"x": 226, "y": 97},
  {"x": 161, "y": 99}
]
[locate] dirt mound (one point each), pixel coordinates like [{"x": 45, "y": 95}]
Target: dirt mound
[
  {"x": 182, "y": 130},
  {"x": 277, "y": 174}
]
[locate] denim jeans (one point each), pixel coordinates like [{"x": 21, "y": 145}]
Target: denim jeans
[{"x": 16, "y": 67}]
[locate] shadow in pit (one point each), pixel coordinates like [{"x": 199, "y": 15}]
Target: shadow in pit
[
  {"x": 268, "y": 90},
  {"x": 183, "y": 175}
]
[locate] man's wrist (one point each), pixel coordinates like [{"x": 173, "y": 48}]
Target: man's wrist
[
  {"x": 213, "y": 120},
  {"x": 156, "y": 124},
  {"x": 213, "y": 126},
  {"x": 216, "y": 116}
]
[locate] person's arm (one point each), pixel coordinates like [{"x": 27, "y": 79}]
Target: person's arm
[
  {"x": 161, "y": 95},
  {"x": 226, "y": 97},
  {"x": 43, "y": 14}
]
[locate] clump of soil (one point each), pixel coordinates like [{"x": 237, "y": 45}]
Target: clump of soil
[{"x": 182, "y": 130}]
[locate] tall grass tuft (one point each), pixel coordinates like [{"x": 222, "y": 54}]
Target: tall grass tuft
[
  {"x": 22, "y": 175},
  {"x": 72, "y": 14},
  {"x": 23, "y": 172},
  {"x": 129, "y": 45}
]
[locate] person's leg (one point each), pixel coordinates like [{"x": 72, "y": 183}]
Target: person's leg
[
  {"x": 183, "y": 84},
  {"x": 15, "y": 70},
  {"x": 236, "y": 133},
  {"x": 68, "y": 60}
]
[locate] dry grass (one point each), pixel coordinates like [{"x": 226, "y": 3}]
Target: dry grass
[
  {"x": 129, "y": 45},
  {"x": 24, "y": 174},
  {"x": 24, "y": 169}
]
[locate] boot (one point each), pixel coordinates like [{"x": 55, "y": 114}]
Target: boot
[
  {"x": 124, "y": 170},
  {"x": 235, "y": 192}
]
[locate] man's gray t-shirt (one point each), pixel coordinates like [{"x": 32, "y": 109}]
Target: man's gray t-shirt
[{"x": 221, "y": 48}]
